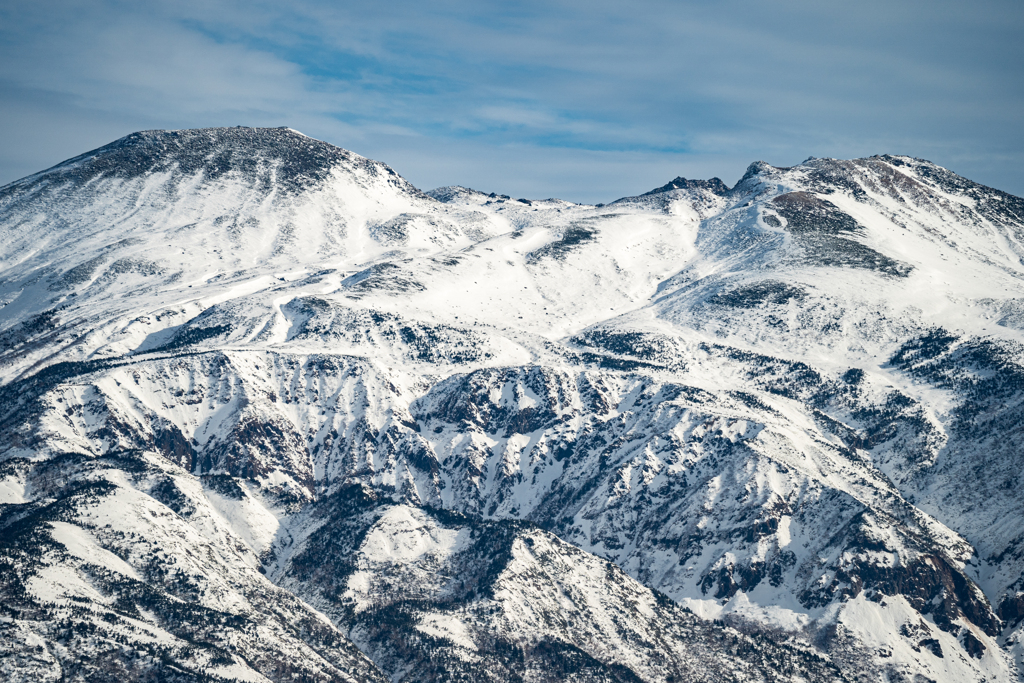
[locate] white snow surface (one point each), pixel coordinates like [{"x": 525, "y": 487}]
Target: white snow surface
[{"x": 738, "y": 398}]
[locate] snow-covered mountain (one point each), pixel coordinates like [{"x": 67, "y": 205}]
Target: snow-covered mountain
[{"x": 268, "y": 412}]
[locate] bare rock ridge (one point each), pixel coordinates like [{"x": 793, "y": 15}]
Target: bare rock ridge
[{"x": 270, "y": 413}]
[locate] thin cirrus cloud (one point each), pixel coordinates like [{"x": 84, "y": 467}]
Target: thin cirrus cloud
[{"x": 588, "y": 101}]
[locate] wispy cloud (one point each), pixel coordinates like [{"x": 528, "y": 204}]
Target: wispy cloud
[{"x": 594, "y": 99}]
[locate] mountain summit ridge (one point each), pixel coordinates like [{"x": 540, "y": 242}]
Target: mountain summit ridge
[{"x": 304, "y": 161}]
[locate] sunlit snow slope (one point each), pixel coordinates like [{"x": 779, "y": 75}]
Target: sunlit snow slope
[{"x": 268, "y": 411}]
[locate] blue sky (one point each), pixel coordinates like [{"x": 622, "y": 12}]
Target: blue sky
[{"x": 588, "y": 101}]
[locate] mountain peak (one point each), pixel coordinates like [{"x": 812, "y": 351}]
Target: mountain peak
[
  {"x": 452, "y": 193},
  {"x": 715, "y": 185},
  {"x": 755, "y": 169},
  {"x": 299, "y": 161},
  {"x": 281, "y": 156}
]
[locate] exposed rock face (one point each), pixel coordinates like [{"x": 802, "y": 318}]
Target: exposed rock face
[{"x": 275, "y": 414}]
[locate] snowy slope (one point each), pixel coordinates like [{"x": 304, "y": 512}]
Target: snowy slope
[
  {"x": 793, "y": 406},
  {"x": 126, "y": 567},
  {"x": 432, "y": 595}
]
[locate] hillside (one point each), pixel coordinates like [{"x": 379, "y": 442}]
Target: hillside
[{"x": 268, "y": 411}]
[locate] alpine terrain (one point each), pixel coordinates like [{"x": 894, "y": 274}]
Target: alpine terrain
[{"x": 270, "y": 413}]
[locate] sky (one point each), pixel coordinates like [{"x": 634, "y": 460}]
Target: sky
[{"x": 587, "y": 101}]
